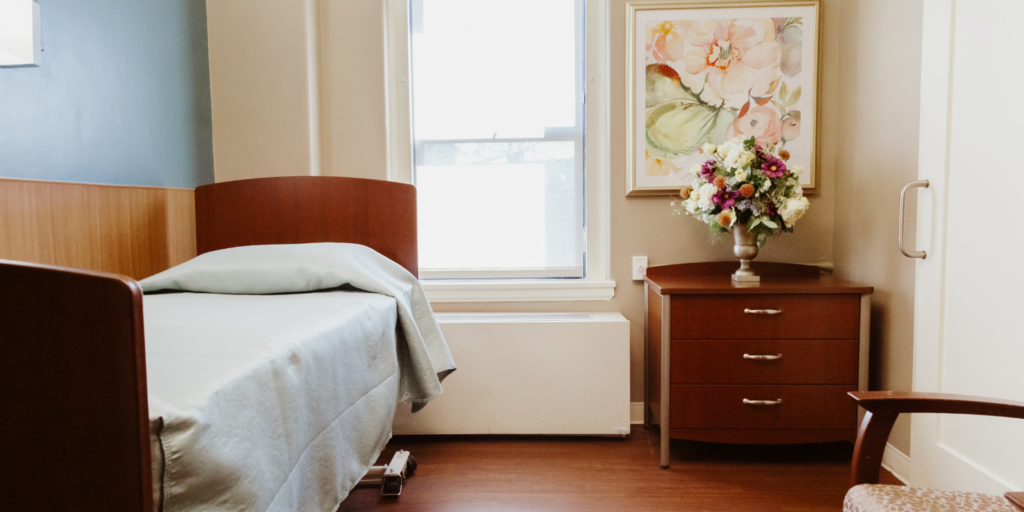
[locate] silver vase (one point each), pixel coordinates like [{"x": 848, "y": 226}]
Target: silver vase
[{"x": 745, "y": 248}]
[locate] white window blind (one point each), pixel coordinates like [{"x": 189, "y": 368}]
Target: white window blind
[{"x": 498, "y": 117}]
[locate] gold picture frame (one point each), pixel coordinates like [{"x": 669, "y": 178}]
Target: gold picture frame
[{"x": 711, "y": 71}]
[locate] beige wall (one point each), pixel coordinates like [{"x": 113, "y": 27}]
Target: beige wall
[
  {"x": 879, "y": 91},
  {"x": 354, "y": 116},
  {"x": 867, "y": 43},
  {"x": 259, "y": 88},
  {"x": 274, "y": 114}
]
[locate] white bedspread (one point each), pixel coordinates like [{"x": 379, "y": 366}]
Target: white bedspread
[
  {"x": 275, "y": 402},
  {"x": 281, "y": 402}
]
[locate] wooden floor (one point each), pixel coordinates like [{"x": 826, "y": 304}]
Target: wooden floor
[{"x": 498, "y": 473}]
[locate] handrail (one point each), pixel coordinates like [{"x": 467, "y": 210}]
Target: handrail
[{"x": 899, "y": 236}]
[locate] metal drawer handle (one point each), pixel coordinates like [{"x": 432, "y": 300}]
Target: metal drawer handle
[
  {"x": 759, "y": 357},
  {"x": 763, "y": 311},
  {"x": 762, "y": 402}
]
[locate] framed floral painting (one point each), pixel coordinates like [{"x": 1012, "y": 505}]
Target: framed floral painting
[{"x": 706, "y": 73}]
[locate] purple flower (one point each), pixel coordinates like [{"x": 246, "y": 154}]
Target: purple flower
[
  {"x": 773, "y": 167},
  {"x": 770, "y": 209},
  {"x": 707, "y": 171},
  {"x": 725, "y": 198}
]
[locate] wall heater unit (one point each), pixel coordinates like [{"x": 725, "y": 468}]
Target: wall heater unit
[{"x": 530, "y": 373}]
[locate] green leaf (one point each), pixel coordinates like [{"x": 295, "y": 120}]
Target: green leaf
[
  {"x": 769, "y": 223},
  {"x": 793, "y": 98},
  {"x": 663, "y": 85},
  {"x": 679, "y": 127},
  {"x": 726, "y": 116},
  {"x": 781, "y": 107},
  {"x": 753, "y": 222},
  {"x": 784, "y": 93}
]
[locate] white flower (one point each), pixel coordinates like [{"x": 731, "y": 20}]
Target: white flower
[
  {"x": 797, "y": 170},
  {"x": 741, "y": 176},
  {"x": 695, "y": 170},
  {"x": 738, "y": 158},
  {"x": 691, "y": 206},
  {"x": 706, "y": 193},
  {"x": 766, "y": 185},
  {"x": 708, "y": 148},
  {"x": 798, "y": 191},
  {"x": 793, "y": 209},
  {"x": 724, "y": 149}
]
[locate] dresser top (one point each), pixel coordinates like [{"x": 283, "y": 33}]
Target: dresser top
[{"x": 715, "y": 278}]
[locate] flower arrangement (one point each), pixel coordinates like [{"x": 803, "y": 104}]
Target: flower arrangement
[{"x": 743, "y": 183}]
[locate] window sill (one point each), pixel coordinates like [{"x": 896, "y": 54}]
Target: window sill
[{"x": 541, "y": 290}]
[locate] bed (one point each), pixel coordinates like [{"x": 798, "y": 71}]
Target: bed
[{"x": 287, "y": 397}]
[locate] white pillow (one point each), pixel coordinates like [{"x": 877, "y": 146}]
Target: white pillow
[{"x": 269, "y": 269}]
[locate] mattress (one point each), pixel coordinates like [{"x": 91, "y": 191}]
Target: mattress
[{"x": 268, "y": 402}]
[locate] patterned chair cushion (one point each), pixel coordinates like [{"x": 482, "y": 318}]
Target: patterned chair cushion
[{"x": 896, "y": 498}]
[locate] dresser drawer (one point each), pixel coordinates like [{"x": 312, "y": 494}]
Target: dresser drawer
[
  {"x": 759, "y": 361},
  {"x": 738, "y": 317},
  {"x": 802, "y": 407}
]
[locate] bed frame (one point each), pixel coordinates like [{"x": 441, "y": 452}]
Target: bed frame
[{"x": 74, "y": 415}]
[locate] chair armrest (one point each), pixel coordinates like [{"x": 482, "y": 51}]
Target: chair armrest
[
  {"x": 883, "y": 407},
  {"x": 910, "y": 402},
  {"x": 1016, "y": 498}
]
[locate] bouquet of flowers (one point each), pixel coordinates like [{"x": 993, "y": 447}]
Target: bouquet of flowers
[{"x": 744, "y": 184}]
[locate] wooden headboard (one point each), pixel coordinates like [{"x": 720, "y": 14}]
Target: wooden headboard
[
  {"x": 139, "y": 231},
  {"x": 307, "y": 209}
]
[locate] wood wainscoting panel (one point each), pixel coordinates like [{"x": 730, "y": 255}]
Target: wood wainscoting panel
[{"x": 128, "y": 230}]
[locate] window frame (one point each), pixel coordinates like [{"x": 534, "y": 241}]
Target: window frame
[{"x": 597, "y": 283}]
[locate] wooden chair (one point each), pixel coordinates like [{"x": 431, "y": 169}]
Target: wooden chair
[{"x": 883, "y": 407}]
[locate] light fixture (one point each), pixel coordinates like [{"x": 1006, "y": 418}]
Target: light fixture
[{"x": 20, "y": 42}]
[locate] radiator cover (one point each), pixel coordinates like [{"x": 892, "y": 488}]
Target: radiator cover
[{"x": 530, "y": 373}]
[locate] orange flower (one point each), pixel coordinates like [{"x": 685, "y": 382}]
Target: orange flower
[
  {"x": 747, "y": 190},
  {"x": 726, "y": 218},
  {"x": 784, "y": 154},
  {"x": 685, "y": 192},
  {"x": 719, "y": 182}
]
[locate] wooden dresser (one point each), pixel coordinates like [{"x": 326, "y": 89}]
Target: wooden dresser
[{"x": 768, "y": 363}]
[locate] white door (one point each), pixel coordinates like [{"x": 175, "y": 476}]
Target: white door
[{"x": 969, "y": 311}]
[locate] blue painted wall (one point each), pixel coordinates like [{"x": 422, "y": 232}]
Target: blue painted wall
[{"x": 122, "y": 96}]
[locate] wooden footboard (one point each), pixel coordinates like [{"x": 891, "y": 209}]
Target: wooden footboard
[{"x": 74, "y": 417}]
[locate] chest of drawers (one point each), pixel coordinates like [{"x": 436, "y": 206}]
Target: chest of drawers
[{"x": 768, "y": 363}]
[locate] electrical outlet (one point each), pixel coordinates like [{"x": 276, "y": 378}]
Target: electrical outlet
[{"x": 639, "y": 267}]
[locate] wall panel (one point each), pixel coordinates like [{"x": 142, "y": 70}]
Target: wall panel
[{"x": 135, "y": 231}]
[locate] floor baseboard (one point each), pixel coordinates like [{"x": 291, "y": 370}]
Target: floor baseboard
[{"x": 897, "y": 462}]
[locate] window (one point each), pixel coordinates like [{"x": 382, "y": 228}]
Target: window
[
  {"x": 498, "y": 117},
  {"x": 512, "y": 148}
]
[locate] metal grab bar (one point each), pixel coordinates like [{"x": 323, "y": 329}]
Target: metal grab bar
[
  {"x": 762, "y": 402},
  {"x": 762, "y": 357},
  {"x": 903, "y": 201},
  {"x": 762, "y": 311}
]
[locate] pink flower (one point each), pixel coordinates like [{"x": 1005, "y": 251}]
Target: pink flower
[
  {"x": 791, "y": 125},
  {"x": 726, "y": 198},
  {"x": 734, "y": 59},
  {"x": 666, "y": 41},
  {"x": 773, "y": 167},
  {"x": 760, "y": 122}
]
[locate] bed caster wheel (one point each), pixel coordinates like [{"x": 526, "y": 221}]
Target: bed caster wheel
[
  {"x": 391, "y": 486},
  {"x": 410, "y": 467}
]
